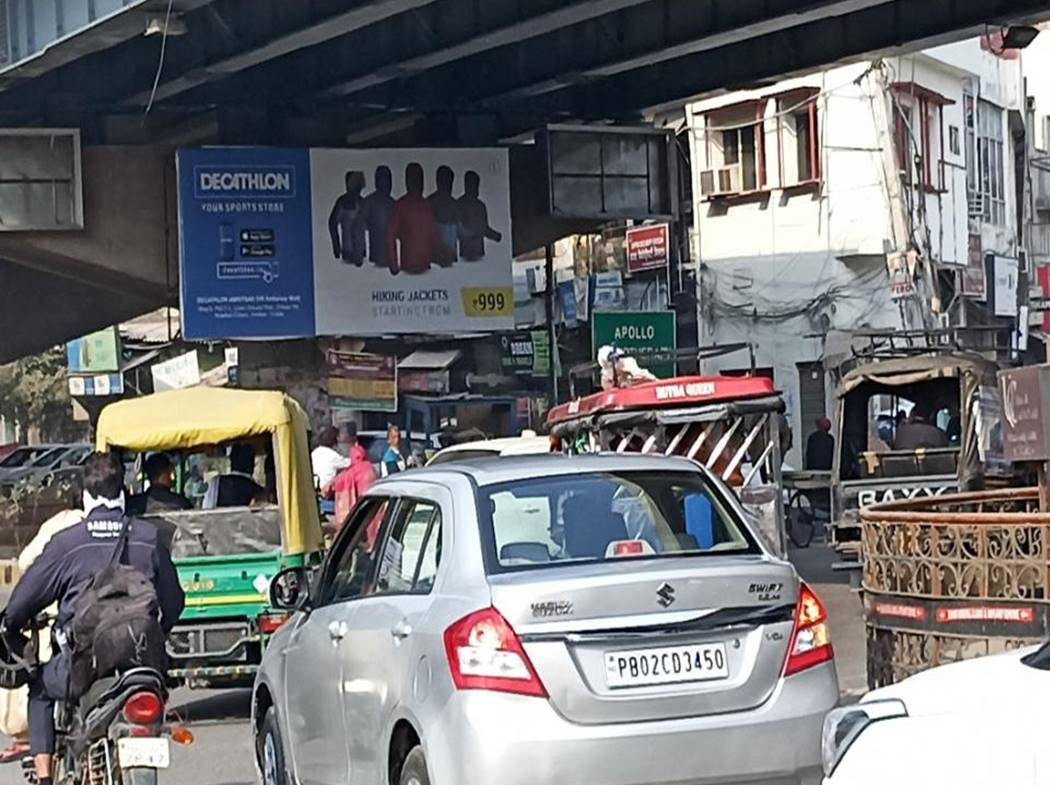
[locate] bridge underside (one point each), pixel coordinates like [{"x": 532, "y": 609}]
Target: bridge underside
[{"x": 375, "y": 72}]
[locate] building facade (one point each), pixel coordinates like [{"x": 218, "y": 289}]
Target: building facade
[{"x": 876, "y": 196}]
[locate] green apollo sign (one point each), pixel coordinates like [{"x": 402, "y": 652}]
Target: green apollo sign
[{"x": 640, "y": 334}]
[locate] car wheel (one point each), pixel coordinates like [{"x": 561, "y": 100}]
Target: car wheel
[
  {"x": 271, "y": 752},
  {"x": 414, "y": 769}
]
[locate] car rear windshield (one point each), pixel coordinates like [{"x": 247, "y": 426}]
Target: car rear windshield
[{"x": 553, "y": 521}]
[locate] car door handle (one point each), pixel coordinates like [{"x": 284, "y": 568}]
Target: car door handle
[
  {"x": 401, "y": 630},
  {"x": 337, "y": 631}
]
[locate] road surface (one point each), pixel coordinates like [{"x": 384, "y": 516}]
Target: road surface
[{"x": 221, "y": 753}]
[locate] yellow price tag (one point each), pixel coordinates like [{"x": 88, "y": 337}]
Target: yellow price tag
[{"x": 488, "y": 302}]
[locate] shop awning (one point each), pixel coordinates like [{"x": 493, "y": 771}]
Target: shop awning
[{"x": 424, "y": 360}]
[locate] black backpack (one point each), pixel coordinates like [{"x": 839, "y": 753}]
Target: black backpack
[{"x": 116, "y": 623}]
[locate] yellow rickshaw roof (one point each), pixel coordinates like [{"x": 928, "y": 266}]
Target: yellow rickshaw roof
[{"x": 199, "y": 416}]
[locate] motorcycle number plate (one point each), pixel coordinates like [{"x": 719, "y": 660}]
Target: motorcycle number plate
[{"x": 143, "y": 753}]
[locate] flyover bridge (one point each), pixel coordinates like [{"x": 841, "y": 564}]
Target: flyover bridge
[{"x": 361, "y": 73}]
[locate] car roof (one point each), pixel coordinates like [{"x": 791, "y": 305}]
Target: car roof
[
  {"x": 486, "y": 471},
  {"x": 510, "y": 445}
]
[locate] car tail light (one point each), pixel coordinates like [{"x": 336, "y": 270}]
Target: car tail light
[
  {"x": 484, "y": 653},
  {"x": 810, "y": 639},
  {"x": 144, "y": 708},
  {"x": 269, "y": 623}
]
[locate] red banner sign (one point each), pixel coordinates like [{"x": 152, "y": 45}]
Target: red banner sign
[{"x": 647, "y": 248}]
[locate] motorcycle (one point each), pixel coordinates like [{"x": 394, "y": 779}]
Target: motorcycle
[{"x": 115, "y": 734}]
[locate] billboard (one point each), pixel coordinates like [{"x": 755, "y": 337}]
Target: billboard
[
  {"x": 95, "y": 353},
  {"x": 1025, "y": 393},
  {"x": 362, "y": 382},
  {"x": 527, "y": 353},
  {"x": 639, "y": 333},
  {"x": 284, "y": 243}
]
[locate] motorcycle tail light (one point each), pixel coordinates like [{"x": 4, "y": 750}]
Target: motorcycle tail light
[{"x": 144, "y": 708}]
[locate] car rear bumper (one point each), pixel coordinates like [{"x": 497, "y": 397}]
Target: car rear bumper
[{"x": 483, "y": 737}]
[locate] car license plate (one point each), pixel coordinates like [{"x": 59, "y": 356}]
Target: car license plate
[
  {"x": 666, "y": 665},
  {"x": 143, "y": 753}
]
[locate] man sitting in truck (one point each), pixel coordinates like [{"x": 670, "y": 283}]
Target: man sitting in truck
[{"x": 917, "y": 433}]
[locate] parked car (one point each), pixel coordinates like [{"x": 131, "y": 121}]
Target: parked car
[
  {"x": 601, "y": 619},
  {"x": 21, "y": 457},
  {"x": 969, "y": 723},
  {"x": 526, "y": 444},
  {"x": 47, "y": 464}
]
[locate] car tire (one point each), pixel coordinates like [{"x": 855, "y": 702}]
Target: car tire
[
  {"x": 414, "y": 769},
  {"x": 272, "y": 769}
]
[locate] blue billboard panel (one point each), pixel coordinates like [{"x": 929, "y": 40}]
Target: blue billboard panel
[{"x": 246, "y": 252}]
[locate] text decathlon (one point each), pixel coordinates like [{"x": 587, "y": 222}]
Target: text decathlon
[{"x": 264, "y": 181}]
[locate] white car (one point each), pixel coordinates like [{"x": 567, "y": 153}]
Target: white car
[
  {"x": 526, "y": 444},
  {"x": 977, "y": 722}
]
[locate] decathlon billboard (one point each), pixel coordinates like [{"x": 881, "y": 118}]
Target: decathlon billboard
[{"x": 285, "y": 243}]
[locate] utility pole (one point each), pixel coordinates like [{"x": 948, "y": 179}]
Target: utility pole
[
  {"x": 900, "y": 215},
  {"x": 552, "y": 333}
]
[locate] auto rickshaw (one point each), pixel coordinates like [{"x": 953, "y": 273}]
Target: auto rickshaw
[
  {"x": 730, "y": 425},
  {"x": 955, "y": 392},
  {"x": 225, "y": 557}
]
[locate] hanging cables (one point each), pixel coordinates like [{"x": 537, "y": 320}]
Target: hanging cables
[{"x": 160, "y": 61}]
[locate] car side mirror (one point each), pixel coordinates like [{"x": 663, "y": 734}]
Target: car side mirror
[{"x": 290, "y": 589}]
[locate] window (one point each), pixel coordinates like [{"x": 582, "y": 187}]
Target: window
[
  {"x": 734, "y": 151},
  {"x": 606, "y": 516},
  {"x": 805, "y": 145},
  {"x": 798, "y": 139},
  {"x": 970, "y": 119},
  {"x": 349, "y": 571},
  {"x": 738, "y": 148},
  {"x": 919, "y": 138},
  {"x": 953, "y": 140},
  {"x": 990, "y": 180},
  {"x": 411, "y": 551}
]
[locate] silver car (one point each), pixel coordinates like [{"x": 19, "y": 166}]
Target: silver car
[{"x": 611, "y": 620}]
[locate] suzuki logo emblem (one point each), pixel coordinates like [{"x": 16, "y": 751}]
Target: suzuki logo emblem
[{"x": 665, "y": 595}]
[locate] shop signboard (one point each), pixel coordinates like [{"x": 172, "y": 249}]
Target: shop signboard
[
  {"x": 178, "y": 373},
  {"x": 972, "y": 280},
  {"x": 901, "y": 268},
  {"x": 280, "y": 243},
  {"x": 526, "y": 353},
  {"x": 1026, "y": 396},
  {"x": 567, "y": 295},
  {"x": 104, "y": 384},
  {"x": 638, "y": 333},
  {"x": 95, "y": 353},
  {"x": 647, "y": 248},
  {"x": 362, "y": 382},
  {"x": 1004, "y": 271},
  {"x": 608, "y": 291}
]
